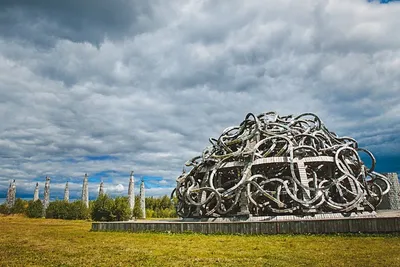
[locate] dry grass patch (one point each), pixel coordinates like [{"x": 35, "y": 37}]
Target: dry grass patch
[{"x": 45, "y": 242}]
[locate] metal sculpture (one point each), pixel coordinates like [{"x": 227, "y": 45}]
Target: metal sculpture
[{"x": 279, "y": 165}]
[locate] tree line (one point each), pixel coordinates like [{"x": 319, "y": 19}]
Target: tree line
[{"x": 104, "y": 208}]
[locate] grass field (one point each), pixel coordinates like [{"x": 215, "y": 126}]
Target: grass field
[{"x": 45, "y": 242}]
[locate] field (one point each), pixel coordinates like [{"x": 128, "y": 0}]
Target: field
[{"x": 45, "y": 242}]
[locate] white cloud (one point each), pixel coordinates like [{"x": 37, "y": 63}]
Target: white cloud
[{"x": 151, "y": 88}]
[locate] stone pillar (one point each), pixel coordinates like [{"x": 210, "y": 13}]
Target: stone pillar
[
  {"x": 101, "y": 189},
  {"x": 36, "y": 192},
  {"x": 11, "y": 195},
  {"x": 131, "y": 192},
  {"x": 85, "y": 191},
  {"x": 391, "y": 200},
  {"x": 14, "y": 192},
  {"x": 66, "y": 193},
  {"x": 142, "y": 200},
  {"x": 46, "y": 195}
]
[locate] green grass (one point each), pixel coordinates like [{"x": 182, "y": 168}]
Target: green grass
[{"x": 45, "y": 242}]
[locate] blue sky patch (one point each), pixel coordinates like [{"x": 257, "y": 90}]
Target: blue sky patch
[
  {"x": 101, "y": 157},
  {"x": 384, "y": 1}
]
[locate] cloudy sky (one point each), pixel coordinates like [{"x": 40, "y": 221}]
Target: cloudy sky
[{"x": 106, "y": 87}]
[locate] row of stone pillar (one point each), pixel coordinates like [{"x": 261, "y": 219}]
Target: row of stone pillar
[
  {"x": 85, "y": 193},
  {"x": 12, "y": 190}
]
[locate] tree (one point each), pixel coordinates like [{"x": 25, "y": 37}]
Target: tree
[
  {"x": 77, "y": 210},
  {"x": 60, "y": 209},
  {"x": 103, "y": 209},
  {"x": 121, "y": 209},
  {"x": 150, "y": 213},
  {"x": 4, "y": 209},
  {"x": 166, "y": 202},
  {"x": 162, "y": 207},
  {"x": 91, "y": 203},
  {"x": 35, "y": 209},
  {"x": 19, "y": 207},
  {"x": 137, "y": 211},
  {"x": 57, "y": 210}
]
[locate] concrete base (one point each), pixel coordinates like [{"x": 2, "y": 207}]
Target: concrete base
[
  {"x": 382, "y": 222},
  {"x": 249, "y": 218},
  {"x": 392, "y": 199}
]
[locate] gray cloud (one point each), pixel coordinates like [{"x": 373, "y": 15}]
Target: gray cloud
[
  {"x": 44, "y": 22},
  {"x": 146, "y": 85}
]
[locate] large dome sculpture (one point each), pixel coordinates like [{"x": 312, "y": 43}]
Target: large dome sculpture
[{"x": 271, "y": 165}]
